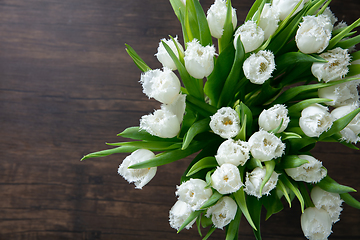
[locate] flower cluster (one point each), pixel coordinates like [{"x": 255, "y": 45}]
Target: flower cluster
[{"x": 252, "y": 108}]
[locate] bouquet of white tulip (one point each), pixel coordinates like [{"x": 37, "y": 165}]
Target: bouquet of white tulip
[{"x": 252, "y": 108}]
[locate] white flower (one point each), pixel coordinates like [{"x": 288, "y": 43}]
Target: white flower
[
  {"x": 259, "y": 66},
  {"x": 311, "y": 172},
  {"x": 269, "y": 20},
  {"x": 271, "y": 118},
  {"x": 216, "y": 16},
  {"x": 179, "y": 213},
  {"x": 164, "y": 86},
  {"x": 234, "y": 152},
  {"x": 140, "y": 177},
  {"x": 250, "y": 35},
  {"x": 163, "y": 56},
  {"x": 254, "y": 179},
  {"x": 194, "y": 193},
  {"x": 161, "y": 123},
  {"x": 285, "y": 7},
  {"x": 225, "y": 122},
  {"x": 223, "y": 212},
  {"x": 199, "y": 60},
  {"x": 330, "y": 202},
  {"x": 226, "y": 179},
  {"x": 341, "y": 94},
  {"x": 351, "y": 132},
  {"x": 177, "y": 106},
  {"x": 316, "y": 224},
  {"x": 336, "y": 66},
  {"x": 315, "y": 120},
  {"x": 265, "y": 146},
  {"x": 313, "y": 34}
]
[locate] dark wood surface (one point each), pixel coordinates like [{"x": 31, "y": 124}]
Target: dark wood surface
[{"x": 67, "y": 86}]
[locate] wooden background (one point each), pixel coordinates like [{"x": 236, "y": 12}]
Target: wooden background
[{"x": 67, "y": 86}]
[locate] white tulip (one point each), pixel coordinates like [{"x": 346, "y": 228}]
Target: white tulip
[
  {"x": 271, "y": 118},
  {"x": 254, "y": 180},
  {"x": 341, "y": 94},
  {"x": 316, "y": 224},
  {"x": 216, "y": 16},
  {"x": 285, "y": 7},
  {"x": 179, "y": 213},
  {"x": 336, "y": 66},
  {"x": 265, "y": 146},
  {"x": 140, "y": 177},
  {"x": 194, "y": 193},
  {"x": 330, "y": 202},
  {"x": 250, "y": 35},
  {"x": 163, "y": 56},
  {"x": 351, "y": 132},
  {"x": 225, "y": 122},
  {"x": 226, "y": 179},
  {"x": 234, "y": 152},
  {"x": 259, "y": 66},
  {"x": 223, "y": 212},
  {"x": 161, "y": 123},
  {"x": 311, "y": 172},
  {"x": 177, "y": 106},
  {"x": 199, "y": 60},
  {"x": 164, "y": 86},
  {"x": 269, "y": 20},
  {"x": 315, "y": 120},
  {"x": 313, "y": 34}
]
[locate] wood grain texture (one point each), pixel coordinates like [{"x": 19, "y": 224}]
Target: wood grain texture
[{"x": 67, "y": 86}]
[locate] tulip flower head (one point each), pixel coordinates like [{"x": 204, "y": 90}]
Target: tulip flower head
[
  {"x": 285, "y": 7},
  {"x": 234, "y": 152},
  {"x": 179, "y": 213},
  {"x": 311, "y": 172},
  {"x": 140, "y": 177},
  {"x": 163, "y": 56},
  {"x": 254, "y": 180},
  {"x": 259, "y": 66},
  {"x": 225, "y": 122},
  {"x": 316, "y": 223},
  {"x": 315, "y": 120},
  {"x": 271, "y": 118},
  {"x": 223, "y": 212},
  {"x": 269, "y": 20},
  {"x": 265, "y": 146},
  {"x": 250, "y": 35},
  {"x": 216, "y": 16},
  {"x": 341, "y": 94},
  {"x": 226, "y": 179}
]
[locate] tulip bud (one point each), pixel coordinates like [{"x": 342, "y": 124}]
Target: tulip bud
[
  {"x": 223, "y": 212},
  {"x": 250, "y": 35},
  {"x": 194, "y": 193},
  {"x": 336, "y": 66},
  {"x": 163, "y": 56},
  {"x": 313, "y": 34},
  {"x": 254, "y": 180},
  {"x": 265, "y": 146},
  {"x": 226, "y": 179},
  {"x": 225, "y": 122},
  {"x": 330, "y": 202},
  {"x": 179, "y": 213},
  {"x": 269, "y": 20},
  {"x": 311, "y": 172},
  {"x": 259, "y": 66},
  {"x": 316, "y": 224},
  {"x": 315, "y": 120},
  {"x": 199, "y": 60},
  {"x": 341, "y": 94},
  {"x": 351, "y": 132},
  {"x": 234, "y": 152},
  {"x": 140, "y": 177},
  {"x": 285, "y": 7},
  {"x": 216, "y": 16},
  {"x": 270, "y": 119},
  {"x": 164, "y": 86}
]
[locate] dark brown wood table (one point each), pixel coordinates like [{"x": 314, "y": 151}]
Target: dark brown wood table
[{"x": 67, "y": 86}]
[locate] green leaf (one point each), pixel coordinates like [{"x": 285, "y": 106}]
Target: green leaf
[
  {"x": 170, "y": 156},
  {"x": 205, "y": 36},
  {"x": 139, "y": 134},
  {"x": 242, "y": 133},
  {"x": 245, "y": 111},
  {"x": 153, "y": 146},
  {"x": 207, "y": 162},
  {"x": 346, "y": 44},
  {"x": 295, "y": 110},
  {"x": 192, "y": 216},
  {"x": 233, "y": 227},
  {"x": 342, "y": 34},
  {"x": 228, "y": 31},
  {"x": 290, "y": 184},
  {"x": 280, "y": 185},
  {"x": 210, "y": 110},
  {"x": 137, "y": 59},
  {"x": 315, "y": 7},
  {"x": 349, "y": 200},
  {"x": 355, "y": 56},
  {"x": 241, "y": 202},
  {"x": 291, "y": 58},
  {"x": 208, "y": 178},
  {"x": 104, "y": 153},
  {"x": 269, "y": 166},
  {"x": 198, "y": 127},
  {"x": 272, "y": 204},
  {"x": 340, "y": 124},
  {"x": 212, "y": 200},
  {"x": 291, "y": 161},
  {"x": 178, "y": 7},
  {"x": 330, "y": 185},
  {"x": 253, "y": 9},
  {"x": 255, "y": 206},
  {"x": 289, "y": 135},
  {"x": 253, "y": 163},
  {"x": 211, "y": 230}
]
